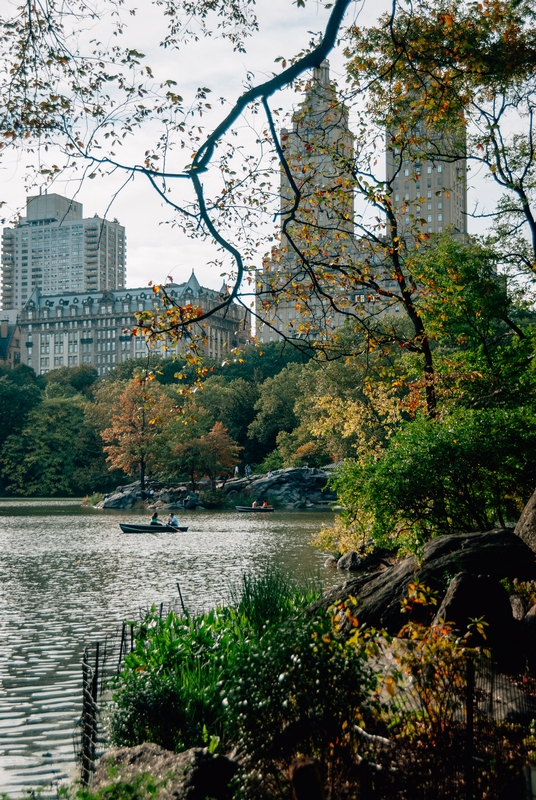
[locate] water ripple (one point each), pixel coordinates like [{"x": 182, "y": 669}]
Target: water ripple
[{"x": 69, "y": 577}]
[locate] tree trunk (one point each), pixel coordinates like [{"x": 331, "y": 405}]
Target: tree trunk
[{"x": 142, "y": 474}]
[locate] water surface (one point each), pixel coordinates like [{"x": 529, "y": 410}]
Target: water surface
[{"x": 69, "y": 577}]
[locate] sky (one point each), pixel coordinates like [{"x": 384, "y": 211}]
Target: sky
[{"x": 156, "y": 248}]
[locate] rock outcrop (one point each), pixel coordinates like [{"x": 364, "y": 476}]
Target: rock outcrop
[
  {"x": 526, "y": 526},
  {"x": 194, "y": 774},
  {"x": 495, "y": 554},
  {"x": 473, "y": 597},
  {"x": 296, "y": 487}
]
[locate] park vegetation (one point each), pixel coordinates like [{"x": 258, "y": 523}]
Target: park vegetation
[{"x": 272, "y": 675}]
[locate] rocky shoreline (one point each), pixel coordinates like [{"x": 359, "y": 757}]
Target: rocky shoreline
[{"x": 293, "y": 488}]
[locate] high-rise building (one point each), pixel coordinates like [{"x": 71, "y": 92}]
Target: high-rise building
[
  {"x": 429, "y": 181},
  {"x": 322, "y": 271},
  {"x": 54, "y": 249},
  {"x": 317, "y": 241}
]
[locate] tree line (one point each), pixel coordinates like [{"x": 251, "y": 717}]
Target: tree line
[{"x": 405, "y": 476}]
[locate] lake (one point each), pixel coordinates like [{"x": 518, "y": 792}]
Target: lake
[{"x": 69, "y": 577}]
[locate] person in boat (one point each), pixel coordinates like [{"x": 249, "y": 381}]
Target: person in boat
[
  {"x": 265, "y": 504},
  {"x": 254, "y": 504},
  {"x": 173, "y": 520},
  {"x": 154, "y": 519}
]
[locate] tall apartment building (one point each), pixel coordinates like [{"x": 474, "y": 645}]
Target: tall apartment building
[
  {"x": 319, "y": 150},
  {"x": 54, "y": 249},
  {"x": 72, "y": 328},
  {"x": 429, "y": 183}
]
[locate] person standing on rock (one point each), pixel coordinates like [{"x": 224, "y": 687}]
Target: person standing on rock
[
  {"x": 236, "y": 472},
  {"x": 247, "y": 470}
]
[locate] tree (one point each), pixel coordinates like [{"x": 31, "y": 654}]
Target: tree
[
  {"x": 451, "y": 63},
  {"x": 189, "y": 448},
  {"x": 275, "y": 408},
  {"x": 16, "y": 402},
  {"x": 131, "y": 438},
  {"x": 233, "y": 404},
  {"x": 81, "y": 378},
  {"x": 473, "y": 470},
  {"x": 55, "y": 452}
]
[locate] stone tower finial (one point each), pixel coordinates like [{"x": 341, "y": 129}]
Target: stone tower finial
[{"x": 321, "y": 73}]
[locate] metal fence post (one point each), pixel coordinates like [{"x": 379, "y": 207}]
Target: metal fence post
[{"x": 469, "y": 714}]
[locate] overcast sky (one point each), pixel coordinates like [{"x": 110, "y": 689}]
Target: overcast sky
[{"x": 155, "y": 248}]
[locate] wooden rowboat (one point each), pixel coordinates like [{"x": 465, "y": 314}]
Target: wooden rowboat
[
  {"x": 254, "y": 508},
  {"x": 148, "y": 528}
]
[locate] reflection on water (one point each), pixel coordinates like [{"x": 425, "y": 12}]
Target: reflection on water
[{"x": 68, "y": 577}]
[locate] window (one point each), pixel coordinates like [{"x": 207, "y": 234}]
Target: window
[
  {"x": 429, "y": 170},
  {"x": 58, "y": 345},
  {"x": 440, "y": 204},
  {"x": 429, "y": 206},
  {"x": 397, "y": 198},
  {"x": 45, "y": 344},
  {"x": 439, "y": 168},
  {"x": 429, "y": 230},
  {"x": 406, "y": 172},
  {"x": 429, "y": 195},
  {"x": 440, "y": 230},
  {"x": 428, "y": 182},
  {"x": 429, "y": 218}
]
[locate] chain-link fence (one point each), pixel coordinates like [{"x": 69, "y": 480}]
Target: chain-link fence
[
  {"x": 471, "y": 741},
  {"x": 478, "y": 750}
]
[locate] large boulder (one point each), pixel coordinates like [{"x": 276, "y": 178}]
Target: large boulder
[
  {"x": 496, "y": 554},
  {"x": 526, "y": 526},
  {"x": 193, "y": 774},
  {"x": 119, "y": 500},
  {"x": 472, "y": 597},
  {"x": 350, "y": 561},
  {"x": 295, "y": 487}
]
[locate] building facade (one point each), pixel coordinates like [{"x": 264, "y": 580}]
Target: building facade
[
  {"x": 307, "y": 287},
  {"x": 54, "y": 249},
  {"x": 10, "y": 343},
  {"x": 430, "y": 183},
  {"x": 72, "y": 328}
]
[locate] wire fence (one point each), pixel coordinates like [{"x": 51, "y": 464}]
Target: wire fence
[
  {"x": 101, "y": 662},
  {"x": 477, "y": 750},
  {"x": 471, "y": 741}
]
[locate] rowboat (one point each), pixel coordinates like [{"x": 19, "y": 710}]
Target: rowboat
[
  {"x": 254, "y": 508},
  {"x": 148, "y": 528}
]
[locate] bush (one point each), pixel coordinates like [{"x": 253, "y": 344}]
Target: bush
[
  {"x": 469, "y": 471},
  {"x": 169, "y": 689},
  {"x": 299, "y": 689}
]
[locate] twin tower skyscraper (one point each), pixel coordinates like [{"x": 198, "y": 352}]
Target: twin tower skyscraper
[{"x": 325, "y": 265}]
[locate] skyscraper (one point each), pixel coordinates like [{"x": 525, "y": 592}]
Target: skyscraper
[
  {"x": 429, "y": 181},
  {"x": 55, "y": 249},
  {"x": 317, "y": 234}
]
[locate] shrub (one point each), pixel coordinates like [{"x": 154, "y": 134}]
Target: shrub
[
  {"x": 169, "y": 689},
  {"x": 300, "y": 688},
  {"x": 469, "y": 471}
]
